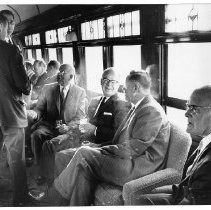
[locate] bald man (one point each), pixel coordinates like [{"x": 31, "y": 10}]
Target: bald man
[{"x": 61, "y": 101}]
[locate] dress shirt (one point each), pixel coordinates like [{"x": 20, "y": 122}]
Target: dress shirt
[{"x": 65, "y": 90}]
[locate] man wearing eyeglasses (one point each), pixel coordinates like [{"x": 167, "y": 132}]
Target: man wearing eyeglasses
[
  {"x": 195, "y": 187},
  {"x": 105, "y": 114}
]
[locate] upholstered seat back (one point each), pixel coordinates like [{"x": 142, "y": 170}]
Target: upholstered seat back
[{"x": 179, "y": 145}]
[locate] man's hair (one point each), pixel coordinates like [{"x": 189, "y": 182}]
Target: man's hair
[
  {"x": 69, "y": 67},
  {"x": 3, "y": 20},
  {"x": 110, "y": 70},
  {"x": 6, "y": 12},
  {"x": 54, "y": 64},
  {"x": 203, "y": 93},
  {"x": 142, "y": 77}
]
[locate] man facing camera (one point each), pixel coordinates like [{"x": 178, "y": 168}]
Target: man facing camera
[
  {"x": 195, "y": 187},
  {"x": 138, "y": 148},
  {"x": 62, "y": 102},
  {"x": 13, "y": 84},
  {"x": 105, "y": 114}
]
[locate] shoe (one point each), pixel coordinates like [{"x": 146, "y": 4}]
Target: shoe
[
  {"x": 27, "y": 201},
  {"x": 49, "y": 198}
]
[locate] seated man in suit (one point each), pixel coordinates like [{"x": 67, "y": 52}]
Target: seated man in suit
[
  {"x": 105, "y": 114},
  {"x": 52, "y": 71},
  {"x": 195, "y": 187},
  {"x": 41, "y": 74},
  {"x": 138, "y": 148},
  {"x": 62, "y": 101}
]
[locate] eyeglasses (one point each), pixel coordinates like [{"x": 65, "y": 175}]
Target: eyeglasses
[
  {"x": 195, "y": 108},
  {"x": 107, "y": 81}
]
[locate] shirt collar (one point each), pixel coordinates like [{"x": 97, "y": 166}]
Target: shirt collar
[
  {"x": 204, "y": 142},
  {"x": 65, "y": 87},
  {"x": 137, "y": 104}
]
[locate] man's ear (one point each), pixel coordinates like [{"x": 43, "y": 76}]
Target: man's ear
[
  {"x": 101, "y": 81},
  {"x": 136, "y": 87}
]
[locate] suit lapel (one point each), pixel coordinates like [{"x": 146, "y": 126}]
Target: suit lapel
[{"x": 125, "y": 123}]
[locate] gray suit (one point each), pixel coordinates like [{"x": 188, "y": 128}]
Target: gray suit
[
  {"x": 49, "y": 110},
  {"x": 139, "y": 148},
  {"x": 13, "y": 83}
]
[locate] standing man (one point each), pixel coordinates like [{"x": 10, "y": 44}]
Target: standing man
[
  {"x": 195, "y": 187},
  {"x": 138, "y": 148},
  {"x": 63, "y": 101},
  {"x": 11, "y": 26},
  {"x": 13, "y": 83}
]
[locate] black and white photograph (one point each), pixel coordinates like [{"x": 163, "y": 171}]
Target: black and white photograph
[{"x": 105, "y": 103}]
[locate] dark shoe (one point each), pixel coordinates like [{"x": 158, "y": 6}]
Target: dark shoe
[
  {"x": 49, "y": 198},
  {"x": 40, "y": 180},
  {"x": 27, "y": 201}
]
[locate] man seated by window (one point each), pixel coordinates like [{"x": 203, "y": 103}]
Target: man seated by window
[
  {"x": 195, "y": 187},
  {"x": 105, "y": 115},
  {"x": 138, "y": 148},
  {"x": 62, "y": 102}
]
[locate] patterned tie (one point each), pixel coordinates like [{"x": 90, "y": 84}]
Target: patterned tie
[{"x": 62, "y": 96}]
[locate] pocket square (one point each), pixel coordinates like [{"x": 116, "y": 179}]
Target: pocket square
[{"x": 107, "y": 113}]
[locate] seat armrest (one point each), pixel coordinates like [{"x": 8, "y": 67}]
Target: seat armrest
[{"x": 146, "y": 184}]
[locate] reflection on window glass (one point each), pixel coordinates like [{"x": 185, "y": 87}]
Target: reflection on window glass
[
  {"x": 177, "y": 116},
  {"x": 38, "y": 54},
  {"x": 188, "y": 68},
  {"x": 29, "y": 51},
  {"x": 187, "y": 17},
  {"x": 94, "y": 68},
  {"x": 127, "y": 58},
  {"x": 67, "y": 55},
  {"x": 52, "y": 54}
]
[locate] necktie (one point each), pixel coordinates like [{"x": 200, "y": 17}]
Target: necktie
[
  {"x": 62, "y": 96},
  {"x": 100, "y": 106}
]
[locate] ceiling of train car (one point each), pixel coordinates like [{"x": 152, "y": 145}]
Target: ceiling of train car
[{"x": 26, "y": 11}]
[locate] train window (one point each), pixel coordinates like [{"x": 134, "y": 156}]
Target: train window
[
  {"x": 38, "y": 54},
  {"x": 187, "y": 17},
  {"x": 67, "y": 55},
  {"x": 126, "y": 24},
  {"x": 29, "y": 54},
  {"x": 51, "y": 37},
  {"x": 94, "y": 68},
  {"x": 36, "y": 39},
  {"x": 93, "y": 30},
  {"x": 177, "y": 116},
  {"x": 62, "y": 33},
  {"x": 52, "y": 54},
  {"x": 127, "y": 58},
  {"x": 188, "y": 68},
  {"x": 28, "y": 40}
]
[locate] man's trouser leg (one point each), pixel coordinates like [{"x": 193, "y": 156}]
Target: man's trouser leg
[
  {"x": 79, "y": 179},
  {"x": 14, "y": 140}
]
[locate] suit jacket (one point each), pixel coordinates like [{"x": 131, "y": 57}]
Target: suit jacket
[
  {"x": 108, "y": 118},
  {"x": 13, "y": 83},
  {"x": 48, "y": 105},
  {"x": 140, "y": 144},
  {"x": 197, "y": 185}
]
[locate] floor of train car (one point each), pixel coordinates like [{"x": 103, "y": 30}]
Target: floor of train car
[{"x": 5, "y": 182}]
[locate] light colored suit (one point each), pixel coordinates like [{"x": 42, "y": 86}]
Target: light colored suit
[
  {"x": 139, "y": 148},
  {"x": 49, "y": 110}
]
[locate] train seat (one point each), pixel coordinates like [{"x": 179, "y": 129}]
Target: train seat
[{"x": 179, "y": 145}]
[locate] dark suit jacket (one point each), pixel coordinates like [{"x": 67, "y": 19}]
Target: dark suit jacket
[
  {"x": 48, "y": 105},
  {"x": 108, "y": 119},
  {"x": 197, "y": 186},
  {"x": 13, "y": 83}
]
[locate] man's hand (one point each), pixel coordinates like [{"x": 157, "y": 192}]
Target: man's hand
[
  {"x": 87, "y": 128},
  {"x": 63, "y": 129}
]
